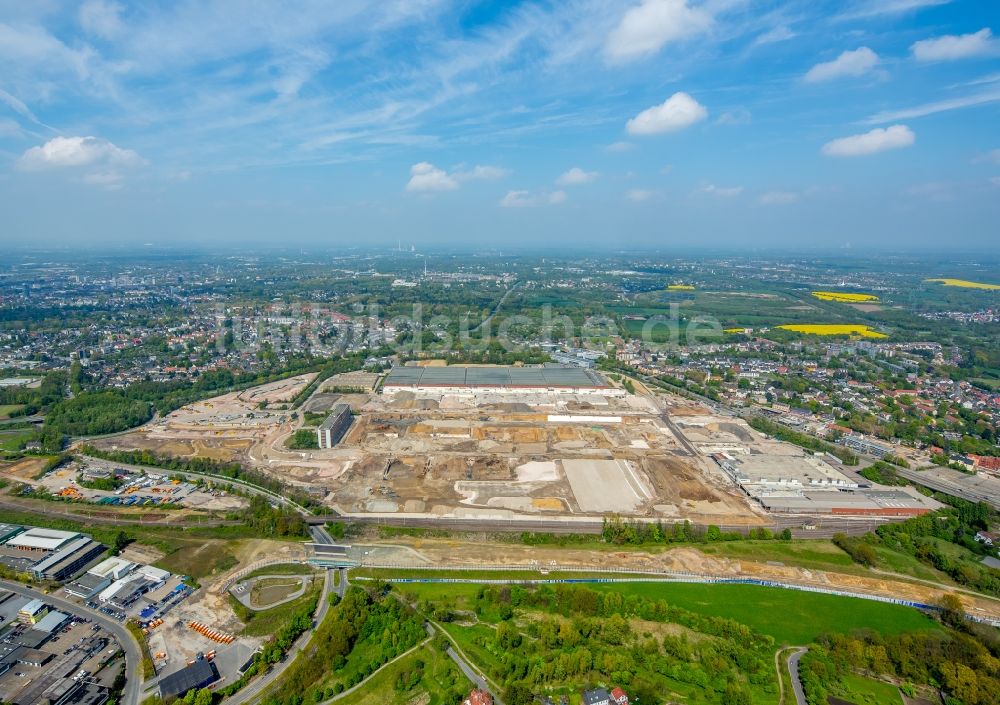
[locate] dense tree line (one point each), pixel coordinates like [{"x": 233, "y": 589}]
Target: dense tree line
[
  {"x": 95, "y": 413},
  {"x": 586, "y": 636},
  {"x": 966, "y": 668},
  {"x": 303, "y": 439},
  {"x": 203, "y": 466},
  {"x": 347, "y": 363},
  {"x": 884, "y": 474},
  {"x": 621, "y": 531},
  {"x": 268, "y": 520},
  {"x": 380, "y": 622},
  {"x": 920, "y": 536},
  {"x": 49, "y": 392}
]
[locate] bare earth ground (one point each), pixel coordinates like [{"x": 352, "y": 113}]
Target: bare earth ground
[
  {"x": 453, "y": 455},
  {"x": 451, "y": 553},
  {"x": 23, "y": 470},
  {"x": 210, "y": 606}
]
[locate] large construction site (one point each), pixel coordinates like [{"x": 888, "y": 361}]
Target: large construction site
[{"x": 507, "y": 443}]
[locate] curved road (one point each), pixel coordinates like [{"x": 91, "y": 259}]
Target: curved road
[
  {"x": 256, "y": 688},
  {"x": 793, "y": 671},
  {"x": 133, "y": 655}
]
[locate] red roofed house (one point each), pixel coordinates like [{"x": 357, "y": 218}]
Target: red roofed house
[
  {"x": 618, "y": 696},
  {"x": 478, "y": 697}
]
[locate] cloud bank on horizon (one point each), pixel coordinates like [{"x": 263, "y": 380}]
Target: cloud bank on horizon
[{"x": 578, "y": 121}]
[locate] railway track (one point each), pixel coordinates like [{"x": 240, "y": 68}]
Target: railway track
[{"x": 801, "y": 527}]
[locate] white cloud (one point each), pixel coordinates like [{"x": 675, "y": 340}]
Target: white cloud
[
  {"x": 576, "y": 176},
  {"x": 877, "y": 140},
  {"x": 61, "y": 152},
  {"x": 941, "y": 106},
  {"x": 675, "y": 113},
  {"x": 17, "y": 105},
  {"x": 482, "y": 172},
  {"x": 781, "y": 33},
  {"x": 991, "y": 156},
  {"x": 778, "y": 198},
  {"x": 638, "y": 195},
  {"x": 527, "y": 199},
  {"x": 955, "y": 46},
  {"x": 724, "y": 191},
  {"x": 618, "y": 147},
  {"x": 101, "y": 18},
  {"x": 849, "y": 63},
  {"x": 874, "y": 8},
  {"x": 424, "y": 176},
  {"x": 645, "y": 28}
]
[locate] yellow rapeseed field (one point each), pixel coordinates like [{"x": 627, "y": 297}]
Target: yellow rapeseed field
[
  {"x": 965, "y": 284},
  {"x": 680, "y": 287},
  {"x": 861, "y": 331},
  {"x": 844, "y": 297}
]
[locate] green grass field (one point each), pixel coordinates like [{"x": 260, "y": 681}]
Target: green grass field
[
  {"x": 439, "y": 684},
  {"x": 790, "y": 616},
  {"x": 819, "y": 554},
  {"x": 198, "y": 559},
  {"x": 7, "y": 409},
  {"x": 280, "y": 569},
  {"x": 866, "y": 691},
  {"x": 13, "y": 440},
  {"x": 267, "y": 622}
]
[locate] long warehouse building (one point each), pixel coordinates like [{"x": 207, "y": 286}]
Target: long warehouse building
[{"x": 465, "y": 379}]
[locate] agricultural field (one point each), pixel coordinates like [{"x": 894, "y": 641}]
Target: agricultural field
[
  {"x": 855, "y": 330},
  {"x": 963, "y": 284},
  {"x": 844, "y": 297}
]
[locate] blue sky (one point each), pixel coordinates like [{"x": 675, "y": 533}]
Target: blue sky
[{"x": 632, "y": 123}]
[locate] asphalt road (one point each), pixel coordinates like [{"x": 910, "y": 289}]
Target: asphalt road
[
  {"x": 133, "y": 656},
  {"x": 257, "y": 687},
  {"x": 969, "y": 494},
  {"x": 793, "y": 670}
]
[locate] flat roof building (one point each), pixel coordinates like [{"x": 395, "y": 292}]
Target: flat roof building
[
  {"x": 465, "y": 378},
  {"x": 51, "y": 622},
  {"x": 38, "y": 539},
  {"x": 9, "y": 531},
  {"x": 332, "y": 430},
  {"x": 198, "y": 675},
  {"x": 113, "y": 568},
  {"x": 861, "y": 502},
  {"x": 32, "y": 612},
  {"x": 68, "y": 560}
]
